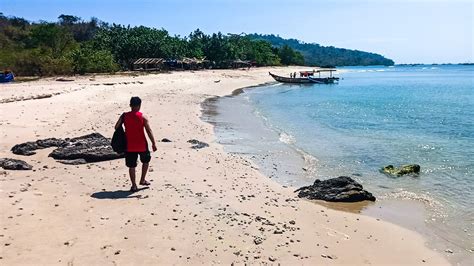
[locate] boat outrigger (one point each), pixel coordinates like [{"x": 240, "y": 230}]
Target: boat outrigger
[{"x": 308, "y": 77}]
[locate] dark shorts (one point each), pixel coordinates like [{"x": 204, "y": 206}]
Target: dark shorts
[{"x": 131, "y": 158}]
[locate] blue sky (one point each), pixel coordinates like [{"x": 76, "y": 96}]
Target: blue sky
[{"x": 417, "y": 31}]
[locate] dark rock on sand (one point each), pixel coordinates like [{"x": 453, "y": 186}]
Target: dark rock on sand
[
  {"x": 73, "y": 162},
  {"x": 89, "y": 148},
  {"x": 197, "y": 144},
  {"x": 28, "y": 148},
  {"x": 402, "y": 170},
  {"x": 51, "y": 142},
  {"x": 340, "y": 189},
  {"x": 13, "y": 164},
  {"x": 165, "y": 140}
]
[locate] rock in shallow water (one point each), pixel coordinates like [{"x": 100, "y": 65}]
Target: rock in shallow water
[
  {"x": 13, "y": 164},
  {"x": 402, "y": 170},
  {"x": 340, "y": 189}
]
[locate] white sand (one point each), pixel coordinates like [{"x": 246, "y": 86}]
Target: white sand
[{"x": 203, "y": 207}]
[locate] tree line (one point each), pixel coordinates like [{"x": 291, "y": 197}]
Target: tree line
[
  {"x": 317, "y": 55},
  {"x": 72, "y": 45}
]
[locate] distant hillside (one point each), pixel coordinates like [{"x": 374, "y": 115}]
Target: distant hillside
[{"x": 317, "y": 55}]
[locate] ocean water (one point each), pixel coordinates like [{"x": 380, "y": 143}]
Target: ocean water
[{"x": 374, "y": 117}]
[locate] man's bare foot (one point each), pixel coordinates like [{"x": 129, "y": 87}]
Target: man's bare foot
[
  {"x": 134, "y": 188},
  {"x": 144, "y": 183}
]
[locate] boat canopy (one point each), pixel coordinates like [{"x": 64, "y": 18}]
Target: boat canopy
[
  {"x": 318, "y": 71},
  {"x": 314, "y": 71}
]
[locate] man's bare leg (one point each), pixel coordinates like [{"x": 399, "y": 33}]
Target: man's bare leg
[
  {"x": 144, "y": 171},
  {"x": 131, "y": 171}
]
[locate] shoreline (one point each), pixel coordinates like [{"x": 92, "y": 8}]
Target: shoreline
[
  {"x": 393, "y": 210},
  {"x": 204, "y": 206}
]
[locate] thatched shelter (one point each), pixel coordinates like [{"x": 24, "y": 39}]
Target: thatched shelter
[
  {"x": 188, "y": 63},
  {"x": 241, "y": 64},
  {"x": 148, "y": 64}
]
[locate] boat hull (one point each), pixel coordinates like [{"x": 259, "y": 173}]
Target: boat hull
[
  {"x": 291, "y": 80},
  {"x": 305, "y": 80},
  {"x": 329, "y": 80}
]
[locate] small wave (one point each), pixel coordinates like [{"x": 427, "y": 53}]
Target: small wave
[
  {"x": 434, "y": 205},
  {"x": 426, "y": 147},
  {"x": 287, "y": 138},
  {"x": 258, "y": 114},
  {"x": 380, "y": 70}
]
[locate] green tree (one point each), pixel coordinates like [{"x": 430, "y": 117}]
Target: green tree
[
  {"x": 289, "y": 56},
  {"x": 86, "y": 59},
  {"x": 50, "y": 36}
]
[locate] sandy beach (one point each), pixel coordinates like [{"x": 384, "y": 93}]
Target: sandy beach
[{"x": 204, "y": 206}]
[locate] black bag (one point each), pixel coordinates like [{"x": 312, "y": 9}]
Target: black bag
[{"x": 119, "y": 141}]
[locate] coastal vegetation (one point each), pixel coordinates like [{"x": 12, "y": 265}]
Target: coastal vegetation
[
  {"x": 72, "y": 45},
  {"x": 317, "y": 55}
]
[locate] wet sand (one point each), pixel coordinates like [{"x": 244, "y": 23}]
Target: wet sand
[{"x": 204, "y": 206}]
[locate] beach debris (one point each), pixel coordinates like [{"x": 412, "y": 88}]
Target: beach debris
[
  {"x": 402, "y": 170},
  {"x": 14, "y": 164},
  {"x": 165, "y": 140},
  {"x": 84, "y": 149},
  {"x": 22, "y": 98},
  {"x": 197, "y": 144},
  {"x": 117, "y": 83},
  {"x": 328, "y": 256},
  {"x": 340, "y": 189},
  {"x": 257, "y": 240},
  {"x": 217, "y": 81},
  {"x": 65, "y": 79}
]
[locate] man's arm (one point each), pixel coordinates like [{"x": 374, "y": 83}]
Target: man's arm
[
  {"x": 149, "y": 132},
  {"x": 119, "y": 122}
]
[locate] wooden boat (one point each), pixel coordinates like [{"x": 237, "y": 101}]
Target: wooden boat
[
  {"x": 308, "y": 77},
  {"x": 304, "y": 80}
]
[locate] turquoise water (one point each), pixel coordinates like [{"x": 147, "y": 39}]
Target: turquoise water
[{"x": 377, "y": 116}]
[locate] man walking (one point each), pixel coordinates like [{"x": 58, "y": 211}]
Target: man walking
[{"x": 135, "y": 124}]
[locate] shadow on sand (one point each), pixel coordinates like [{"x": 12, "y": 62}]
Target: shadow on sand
[{"x": 118, "y": 194}]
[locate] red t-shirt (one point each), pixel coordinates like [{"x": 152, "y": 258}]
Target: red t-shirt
[{"x": 134, "y": 132}]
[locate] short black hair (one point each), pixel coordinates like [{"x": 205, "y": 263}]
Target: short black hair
[{"x": 135, "y": 101}]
